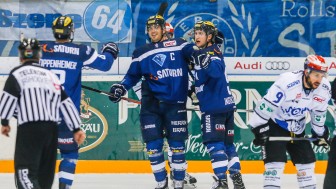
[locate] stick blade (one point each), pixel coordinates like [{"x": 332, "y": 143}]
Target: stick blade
[{"x": 162, "y": 8}]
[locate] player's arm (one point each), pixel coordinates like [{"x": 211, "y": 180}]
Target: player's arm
[
  {"x": 318, "y": 116},
  {"x": 103, "y": 61},
  {"x": 131, "y": 78},
  {"x": 263, "y": 112},
  {"x": 8, "y": 103}
]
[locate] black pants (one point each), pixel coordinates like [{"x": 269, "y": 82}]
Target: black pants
[
  {"x": 301, "y": 152},
  {"x": 35, "y": 155},
  {"x": 330, "y": 177}
]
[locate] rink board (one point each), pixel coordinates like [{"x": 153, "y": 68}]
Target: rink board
[{"x": 143, "y": 166}]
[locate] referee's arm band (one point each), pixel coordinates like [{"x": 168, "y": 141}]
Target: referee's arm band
[
  {"x": 76, "y": 130},
  {"x": 4, "y": 122}
]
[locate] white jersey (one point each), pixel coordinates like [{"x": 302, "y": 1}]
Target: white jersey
[{"x": 287, "y": 104}]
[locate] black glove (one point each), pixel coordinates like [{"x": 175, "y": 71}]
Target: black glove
[
  {"x": 219, "y": 38},
  {"x": 112, "y": 48},
  {"x": 192, "y": 95},
  {"x": 261, "y": 134},
  {"x": 118, "y": 91},
  {"x": 206, "y": 61},
  {"x": 201, "y": 59},
  {"x": 322, "y": 140}
]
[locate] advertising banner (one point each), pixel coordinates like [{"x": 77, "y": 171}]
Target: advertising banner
[
  {"x": 113, "y": 130},
  {"x": 236, "y": 66},
  {"x": 94, "y": 21},
  {"x": 251, "y": 28}
]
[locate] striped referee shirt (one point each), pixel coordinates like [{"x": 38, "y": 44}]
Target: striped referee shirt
[{"x": 35, "y": 94}]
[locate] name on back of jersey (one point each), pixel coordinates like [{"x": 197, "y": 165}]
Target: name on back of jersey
[{"x": 50, "y": 63}]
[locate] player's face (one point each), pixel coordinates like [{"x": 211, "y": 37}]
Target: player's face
[
  {"x": 155, "y": 32},
  {"x": 314, "y": 79},
  {"x": 200, "y": 38}
]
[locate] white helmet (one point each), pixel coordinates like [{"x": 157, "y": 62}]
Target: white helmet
[
  {"x": 169, "y": 30},
  {"x": 316, "y": 62}
]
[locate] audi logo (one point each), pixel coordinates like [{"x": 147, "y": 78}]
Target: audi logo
[{"x": 277, "y": 65}]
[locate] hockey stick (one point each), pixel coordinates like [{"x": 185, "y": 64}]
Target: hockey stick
[
  {"x": 291, "y": 138},
  {"x": 110, "y": 94},
  {"x": 162, "y": 8}
]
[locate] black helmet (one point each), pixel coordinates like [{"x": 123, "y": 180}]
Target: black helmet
[
  {"x": 208, "y": 27},
  {"x": 63, "y": 27},
  {"x": 29, "y": 48},
  {"x": 156, "y": 19}
]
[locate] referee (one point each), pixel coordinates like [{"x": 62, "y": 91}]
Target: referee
[{"x": 37, "y": 99}]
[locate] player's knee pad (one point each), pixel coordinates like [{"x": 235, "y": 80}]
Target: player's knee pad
[
  {"x": 306, "y": 176},
  {"x": 272, "y": 175},
  {"x": 219, "y": 159},
  {"x": 67, "y": 169},
  {"x": 234, "y": 163},
  {"x": 178, "y": 163}
]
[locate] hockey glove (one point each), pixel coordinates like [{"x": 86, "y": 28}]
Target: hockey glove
[
  {"x": 322, "y": 140},
  {"x": 118, "y": 91},
  {"x": 219, "y": 38},
  {"x": 112, "y": 48},
  {"x": 192, "y": 95},
  {"x": 261, "y": 134},
  {"x": 206, "y": 61}
]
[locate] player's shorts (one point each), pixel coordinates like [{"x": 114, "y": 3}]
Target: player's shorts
[
  {"x": 300, "y": 151},
  {"x": 160, "y": 119},
  {"x": 66, "y": 142},
  {"x": 218, "y": 127}
]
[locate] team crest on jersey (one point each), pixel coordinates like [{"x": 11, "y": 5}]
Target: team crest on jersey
[
  {"x": 159, "y": 59},
  {"x": 93, "y": 124},
  {"x": 169, "y": 43}
]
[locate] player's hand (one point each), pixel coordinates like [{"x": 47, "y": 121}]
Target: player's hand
[
  {"x": 117, "y": 91},
  {"x": 5, "y": 129},
  {"x": 79, "y": 137},
  {"x": 112, "y": 48},
  {"x": 322, "y": 140},
  {"x": 206, "y": 61},
  {"x": 261, "y": 134}
]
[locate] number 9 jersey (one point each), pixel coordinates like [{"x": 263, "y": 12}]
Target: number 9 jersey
[{"x": 287, "y": 102}]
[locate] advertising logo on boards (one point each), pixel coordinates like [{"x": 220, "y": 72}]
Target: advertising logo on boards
[{"x": 93, "y": 124}]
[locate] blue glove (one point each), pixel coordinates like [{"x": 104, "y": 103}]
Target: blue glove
[
  {"x": 112, "y": 48},
  {"x": 117, "y": 91},
  {"x": 261, "y": 134},
  {"x": 322, "y": 140}
]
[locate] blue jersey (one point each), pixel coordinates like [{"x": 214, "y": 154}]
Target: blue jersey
[
  {"x": 164, "y": 65},
  {"x": 66, "y": 60},
  {"x": 211, "y": 84}
]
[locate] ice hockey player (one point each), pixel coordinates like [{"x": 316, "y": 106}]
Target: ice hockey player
[
  {"x": 216, "y": 104},
  {"x": 282, "y": 113},
  {"x": 163, "y": 67},
  {"x": 66, "y": 60}
]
